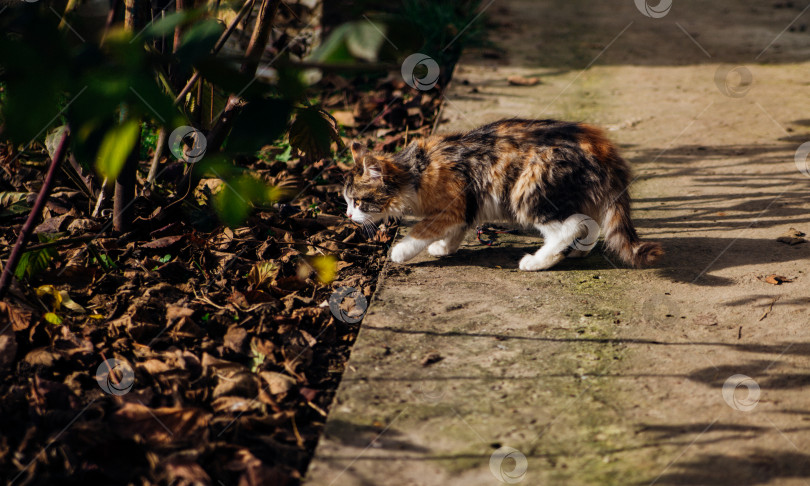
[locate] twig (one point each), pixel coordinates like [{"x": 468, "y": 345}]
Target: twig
[
  {"x": 770, "y": 308},
  {"x": 33, "y": 216},
  {"x": 62, "y": 242},
  {"x": 100, "y": 198}
]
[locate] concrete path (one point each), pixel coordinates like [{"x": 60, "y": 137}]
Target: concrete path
[{"x": 694, "y": 372}]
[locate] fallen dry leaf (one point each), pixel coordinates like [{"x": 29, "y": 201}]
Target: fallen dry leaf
[
  {"x": 160, "y": 425},
  {"x": 279, "y": 383},
  {"x": 154, "y": 366},
  {"x": 20, "y": 319},
  {"x": 8, "y": 348},
  {"x": 344, "y": 118},
  {"x": 431, "y": 358},
  {"x": 183, "y": 470},
  {"x": 200, "y": 330},
  {"x": 522, "y": 81},
  {"x": 792, "y": 237},
  {"x": 236, "y": 384},
  {"x": 774, "y": 279},
  {"x": 164, "y": 242}
]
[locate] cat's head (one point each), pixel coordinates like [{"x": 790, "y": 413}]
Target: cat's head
[{"x": 375, "y": 188}]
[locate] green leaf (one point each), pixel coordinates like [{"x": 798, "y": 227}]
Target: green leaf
[
  {"x": 261, "y": 122},
  {"x": 225, "y": 76},
  {"x": 333, "y": 50},
  {"x": 105, "y": 92},
  {"x": 116, "y": 147},
  {"x": 313, "y": 132},
  {"x": 365, "y": 39},
  {"x": 33, "y": 262},
  {"x": 53, "y": 318},
  {"x": 148, "y": 100},
  {"x": 123, "y": 53},
  {"x": 368, "y": 40},
  {"x": 109, "y": 263},
  {"x": 199, "y": 40},
  {"x": 235, "y": 200},
  {"x": 286, "y": 155},
  {"x": 167, "y": 24},
  {"x": 35, "y": 74},
  {"x": 10, "y": 198}
]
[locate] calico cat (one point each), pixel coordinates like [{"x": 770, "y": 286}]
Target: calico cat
[{"x": 550, "y": 175}]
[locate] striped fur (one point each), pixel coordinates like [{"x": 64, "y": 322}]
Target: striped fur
[{"x": 538, "y": 173}]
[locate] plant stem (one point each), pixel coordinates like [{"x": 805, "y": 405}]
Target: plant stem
[
  {"x": 123, "y": 212},
  {"x": 220, "y": 128},
  {"x": 161, "y": 141},
  {"x": 220, "y": 43},
  {"x": 261, "y": 34},
  {"x": 179, "y": 6},
  {"x": 110, "y": 19},
  {"x": 28, "y": 227}
]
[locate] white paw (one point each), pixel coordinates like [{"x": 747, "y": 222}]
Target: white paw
[
  {"x": 530, "y": 263},
  {"x": 439, "y": 249},
  {"x": 407, "y": 249},
  {"x": 400, "y": 253}
]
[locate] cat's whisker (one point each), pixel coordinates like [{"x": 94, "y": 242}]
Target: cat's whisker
[{"x": 370, "y": 228}]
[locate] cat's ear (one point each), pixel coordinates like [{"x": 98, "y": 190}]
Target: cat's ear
[
  {"x": 358, "y": 151},
  {"x": 372, "y": 168},
  {"x": 409, "y": 152}
]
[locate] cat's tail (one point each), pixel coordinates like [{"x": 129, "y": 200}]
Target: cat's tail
[{"x": 621, "y": 237}]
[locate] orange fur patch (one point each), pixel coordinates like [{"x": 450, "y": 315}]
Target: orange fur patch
[{"x": 594, "y": 141}]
